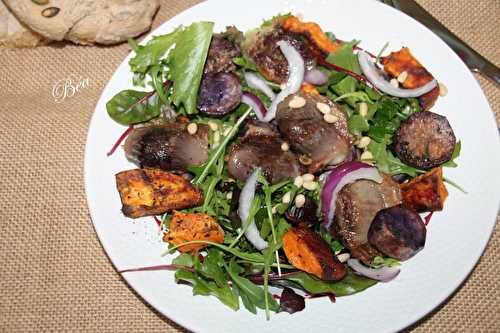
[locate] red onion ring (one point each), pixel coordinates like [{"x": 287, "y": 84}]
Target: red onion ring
[
  {"x": 255, "y": 103},
  {"x": 256, "y": 82},
  {"x": 316, "y": 77},
  {"x": 296, "y": 69},
  {"x": 383, "y": 274},
  {"x": 246, "y": 199},
  {"x": 344, "y": 174},
  {"x": 373, "y": 75}
]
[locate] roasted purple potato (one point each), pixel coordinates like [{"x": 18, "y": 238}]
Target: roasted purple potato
[
  {"x": 219, "y": 94},
  {"x": 398, "y": 232}
]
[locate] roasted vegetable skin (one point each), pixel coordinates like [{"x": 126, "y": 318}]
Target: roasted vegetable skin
[
  {"x": 154, "y": 191},
  {"x": 186, "y": 227},
  {"x": 403, "y": 61},
  {"x": 425, "y": 193},
  {"x": 308, "y": 252}
]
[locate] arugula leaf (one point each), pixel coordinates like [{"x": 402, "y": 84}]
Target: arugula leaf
[
  {"x": 379, "y": 261},
  {"x": 357, "y": 124},
  {"x": 131, "y": 107},
  {"x": 388, "y": 163},
  {"x": 334, "y": 244},
  {"x": 349, "y": 285},
  {"x": 456, "y": 152},
  {"x": 187, "y": 61},
  {"x": 245, "y": 63},
  {"x": 150, "y": 54},
  {"x": 344, "y": 57},
  {"x": 254, "y": 293}
]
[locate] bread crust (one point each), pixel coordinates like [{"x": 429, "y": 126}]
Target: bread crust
[
  {"x": 87, "y": 21},
  {"x": 15, "y": 34}
]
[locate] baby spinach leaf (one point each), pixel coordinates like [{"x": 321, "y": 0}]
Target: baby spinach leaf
[
  {"x": 187, "y": 61},
  {"x": 132, "y": 107}
]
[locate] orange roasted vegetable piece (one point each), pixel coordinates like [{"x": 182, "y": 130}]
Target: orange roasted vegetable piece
[
  {"x": 308, "y": 252},
  {"x": 308, "y": 88},
  {"x": 312, "y": 31},
  {"x": 403, "y": 61},
  {"x": 154, "y": 191},
  {"x": 186, "y": 227},
  {"x": 425, "y": 193}
]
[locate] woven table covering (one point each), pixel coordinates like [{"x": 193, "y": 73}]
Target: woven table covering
[{"x": 54, "y": 274}]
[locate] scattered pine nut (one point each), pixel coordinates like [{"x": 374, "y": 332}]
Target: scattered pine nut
[
  {"x": 343, "y": 257},
  {"x": 323, "y": 108},
  {"x": 366, "y": 156},
  {"x": 330, "y": 118},
  {"x": 287, "y": 197},
  {"x": 394, "y": 83},
  {"x": 192, "y": 128},
  {"x": 402, "y": 77},
  {"x": 285, "y": 146},
  {"x": 363, "y": 109},
  {"x": 305, "y": 160},
  {"x": 310, "y": 185},
  {"x": 229, "y": 195},
  {"x": 443, "y": 90},
  {"x": 364, "y": 142},
  {"x": 308, "y": 177},
  {"x": 298, "y": 181},
  {"x": 216, "y": 137},
  {"x": 297, "y": 102},
  {"x": 213, "y": 125},
  {"x": 300, "y": 200}
]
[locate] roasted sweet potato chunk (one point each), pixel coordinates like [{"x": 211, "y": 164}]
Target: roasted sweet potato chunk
[
  {"x": 186, "y": 227},
  {"x": 313, "y": 32},
  {"x": 403, "y": 61},
  {"x": 154, "y": 191},
  {"x": 426, "y": 193},
  {"x": 308, "y": 252}
]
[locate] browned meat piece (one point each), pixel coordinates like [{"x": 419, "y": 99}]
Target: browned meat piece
[
  {"x": 220, "y": 56},
  {"x": 167, "y": 147},
  {"x": 398, "y": 232},
  {"x": 307, "y": 251},
  {"x": 357, "y": 205},
  {"x": 153, "y": 191},
  {"x": 219, "y": 94},
  {"x": 309, "y": 134},
  {"x": 260, "y": 147},
  {"x": 424, "y": 140},
  {"x": 261, "y": 47}
]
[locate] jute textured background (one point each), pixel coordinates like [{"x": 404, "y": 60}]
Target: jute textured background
[{"x": 54, "y": 275}]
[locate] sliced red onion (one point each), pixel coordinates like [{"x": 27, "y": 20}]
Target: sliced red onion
[
  {"x": 246, "y": 199},
  {"x": 296, "y": 68},
  {"x": 375, "y": 77},
  {"x": 316, "y": 77},
  {"x": 255, "y": 82},
  {"x": 383, "y": 274},
  {"x": 339, "y": 177},
  {"x": 255, "y": 103}
]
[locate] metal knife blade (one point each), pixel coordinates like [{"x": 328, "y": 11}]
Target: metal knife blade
[{"x": 471, "y": 58}]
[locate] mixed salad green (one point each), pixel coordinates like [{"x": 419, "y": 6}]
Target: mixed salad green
[{"x": 171, "y": 67}]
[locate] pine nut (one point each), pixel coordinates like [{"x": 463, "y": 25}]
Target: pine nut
[
  {"x": 394, "y": 83},
  {"x": 300, "y": 200},
  {"x": 310, "y": 185},
  {"x": 192, "y": 128},
  {"x": 363, "y": 109},
  {"x": 308, "y": 177},
  {"x": 298, "y": 181},
  {"x": 285, "y": 146},
  {"x": 297, "y": 102},
  {"x": 330, "y": 118},
  {"x": 213, "y": 125},
  {"x": 343, "y": 257},
  {"x": 443, "y": 90},
  {"x": 323, "y": 108},
  {"x": 364, "y": 142},
  {"x": 402, "y": 77},
  {"x": 366, "y": 156},
  {"x": 287, "y": 198}
]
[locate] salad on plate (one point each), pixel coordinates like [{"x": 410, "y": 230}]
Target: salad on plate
[{"x": 281, "y": 163}]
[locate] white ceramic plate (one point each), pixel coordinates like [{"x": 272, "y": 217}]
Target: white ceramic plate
[{"x": 455, "y": 238}]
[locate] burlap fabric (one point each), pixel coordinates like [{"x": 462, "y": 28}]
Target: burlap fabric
[{"x": 54, "y": 275}]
